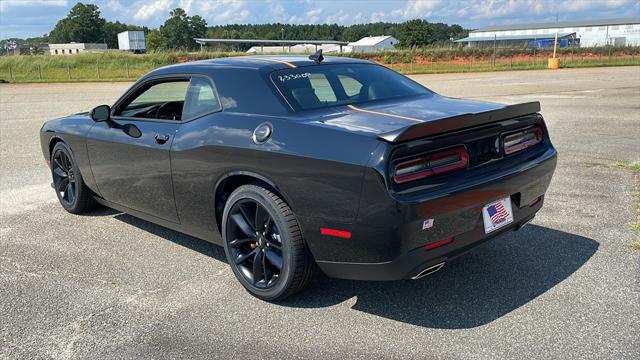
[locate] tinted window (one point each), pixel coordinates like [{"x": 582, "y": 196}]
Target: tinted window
[
  {"x": 351, "y": 86},
  {"x": 313, "y": 87},
  {"x": 201, "y": 98},
  {"x": 322, "y": 88},
  {"x": 159, "y": 101}
]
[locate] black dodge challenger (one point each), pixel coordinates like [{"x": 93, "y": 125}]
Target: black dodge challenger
[{"x": 295, "y": 163}]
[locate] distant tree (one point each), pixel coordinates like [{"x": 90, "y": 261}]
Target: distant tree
[
  {"x": 197, "y": 26},
  {"x": 355, "y": 33},
  {"x": 36, "y": 41},
  {"x": 82, "y": 24},
  {"x": 154, "y": 40},
  {"x": 180, "y": 29},
  {"x": 414, "y": 33},
  {"x": 37, "y": 50},
  {"x": 457, "y": 32}
]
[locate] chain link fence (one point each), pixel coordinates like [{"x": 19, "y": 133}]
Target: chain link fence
[{"x": 116, "y": 66}]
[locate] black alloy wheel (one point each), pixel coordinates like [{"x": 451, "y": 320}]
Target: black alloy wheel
[
  {"x": 256, "y": 245},
  {"x": 263, "y": 243},
  {"x": 64, "y": 179},
  {"x": 73, "y": 194}
]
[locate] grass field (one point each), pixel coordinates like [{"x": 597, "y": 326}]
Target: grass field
[
  {"x": 507, "y": 64},
  {"x": 120, "y": 66}
]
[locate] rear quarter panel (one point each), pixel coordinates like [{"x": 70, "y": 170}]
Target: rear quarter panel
[{"x": 318, "y": 171}]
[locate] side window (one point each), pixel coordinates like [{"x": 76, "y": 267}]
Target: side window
[
  {"x": 201, "y": 98},
  {"x": 350, "y": 85},
  {"x": 163, "y": 100}
]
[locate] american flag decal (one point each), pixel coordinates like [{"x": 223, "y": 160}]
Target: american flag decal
[{"x": 497, "y": 213}]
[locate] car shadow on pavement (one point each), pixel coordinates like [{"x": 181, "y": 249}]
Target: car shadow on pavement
[
  {"x": 201, "y": 246},
  {"x": 475, "y": 289}
]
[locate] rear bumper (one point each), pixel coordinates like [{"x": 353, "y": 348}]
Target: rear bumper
[
  {"x": 388, "y": 239},
  {"x": 415, "y": 261}
]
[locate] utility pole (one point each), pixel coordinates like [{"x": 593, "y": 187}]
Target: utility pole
[
  {"x": 282, "y": 39},
  {"x": 495, "y": 39}
]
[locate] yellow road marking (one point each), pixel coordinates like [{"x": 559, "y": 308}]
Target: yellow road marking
[
  {"x": 384, "y": 114},
  {"x": 278, "y": 61}
]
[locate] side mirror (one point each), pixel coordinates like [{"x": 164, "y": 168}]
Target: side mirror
[{"x": 100, "y": 113}]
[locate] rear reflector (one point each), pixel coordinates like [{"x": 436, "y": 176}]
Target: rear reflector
[
  {"x": 522, "y": 140},
  {"x": 535, "y": 201},
  {"x": 431, "y": 164},
  {"x": 438, "y": 244},
  {"x": 337, "y": 233}
]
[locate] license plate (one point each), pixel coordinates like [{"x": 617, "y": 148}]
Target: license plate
[{"x": 497, "y": 214}]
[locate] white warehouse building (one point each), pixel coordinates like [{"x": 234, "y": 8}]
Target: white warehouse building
[
  {"x": 586, "y": 33},
  {"x": 373, "y": 43},
  {"x": 75, "y": 48}
]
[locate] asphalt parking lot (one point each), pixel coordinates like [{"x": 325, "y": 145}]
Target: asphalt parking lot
[{"x": 106, "y": 284}]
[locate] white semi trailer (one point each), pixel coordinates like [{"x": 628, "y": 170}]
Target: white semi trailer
[{"x": 131, "y": 41}]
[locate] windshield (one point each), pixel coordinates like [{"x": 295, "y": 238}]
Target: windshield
[{"x": 319, "y": 86}]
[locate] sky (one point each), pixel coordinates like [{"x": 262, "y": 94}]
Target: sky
[{"x": 30, "y": 18}]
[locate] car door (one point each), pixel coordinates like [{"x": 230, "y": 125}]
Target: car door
[{"x": 130, "y": 158}]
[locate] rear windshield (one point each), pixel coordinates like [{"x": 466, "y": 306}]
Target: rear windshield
[{"x": 319, "y": 86}]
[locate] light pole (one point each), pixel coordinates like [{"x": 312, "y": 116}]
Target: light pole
[{"x": 282, "y": 39}]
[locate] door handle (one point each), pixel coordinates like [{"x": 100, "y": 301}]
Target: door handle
[{"x": 161, "y": 139}]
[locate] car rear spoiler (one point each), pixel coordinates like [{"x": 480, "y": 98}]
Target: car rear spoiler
[{"x": 458, "y": 122}]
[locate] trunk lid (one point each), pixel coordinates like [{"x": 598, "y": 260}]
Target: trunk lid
[{"x": 406, "y": 119}]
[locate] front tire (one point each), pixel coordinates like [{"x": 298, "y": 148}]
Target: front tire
[
  {"x": 264, "y": 245},
  {"x": 73, "y": 194}
]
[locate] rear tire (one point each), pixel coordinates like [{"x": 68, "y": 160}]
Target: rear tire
[
  {"x": 73, "y": 194},
  {"x": 264, "y": 245}
]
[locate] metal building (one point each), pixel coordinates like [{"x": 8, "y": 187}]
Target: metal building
[{"x": 586, "y": 33}]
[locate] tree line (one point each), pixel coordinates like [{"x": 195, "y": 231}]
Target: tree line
[
  {"x": 84, "y": 23},
  {"x": 412, "y": 33}
]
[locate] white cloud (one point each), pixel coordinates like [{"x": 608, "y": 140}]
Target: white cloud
[
  {"x": 222, "y": 11},
  {"x": 339, "y": 17},
  {"x": 521, "y": 10},
  {"x": 277, "y": 12},
  {"x": 313, "y": 16},
  {"x": 21, "y": 18},
  {"x": 418, "y": 8},
  {"x": 306, "y": 19},
  {"x": 186, "y": 5},
  {"x": 6, "y": 4},
  {"x": 314, "y": 12},
  {"x": 352, "y": 12},
  {"x": 113, "y": 5},
  {"x": 153, "y": 8}
]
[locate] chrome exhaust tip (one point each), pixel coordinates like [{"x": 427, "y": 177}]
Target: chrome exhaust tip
[{"x": 428, "y": 271}]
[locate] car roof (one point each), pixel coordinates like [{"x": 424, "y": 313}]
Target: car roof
[{"x": 270, "y": 62}]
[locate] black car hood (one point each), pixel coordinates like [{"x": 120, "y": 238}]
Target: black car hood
[{"x": 405, "y": 119}]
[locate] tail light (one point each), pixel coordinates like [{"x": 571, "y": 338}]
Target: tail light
[
  {"x": 522, "y": 140},
  {"x": 430, "y": 165}
]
